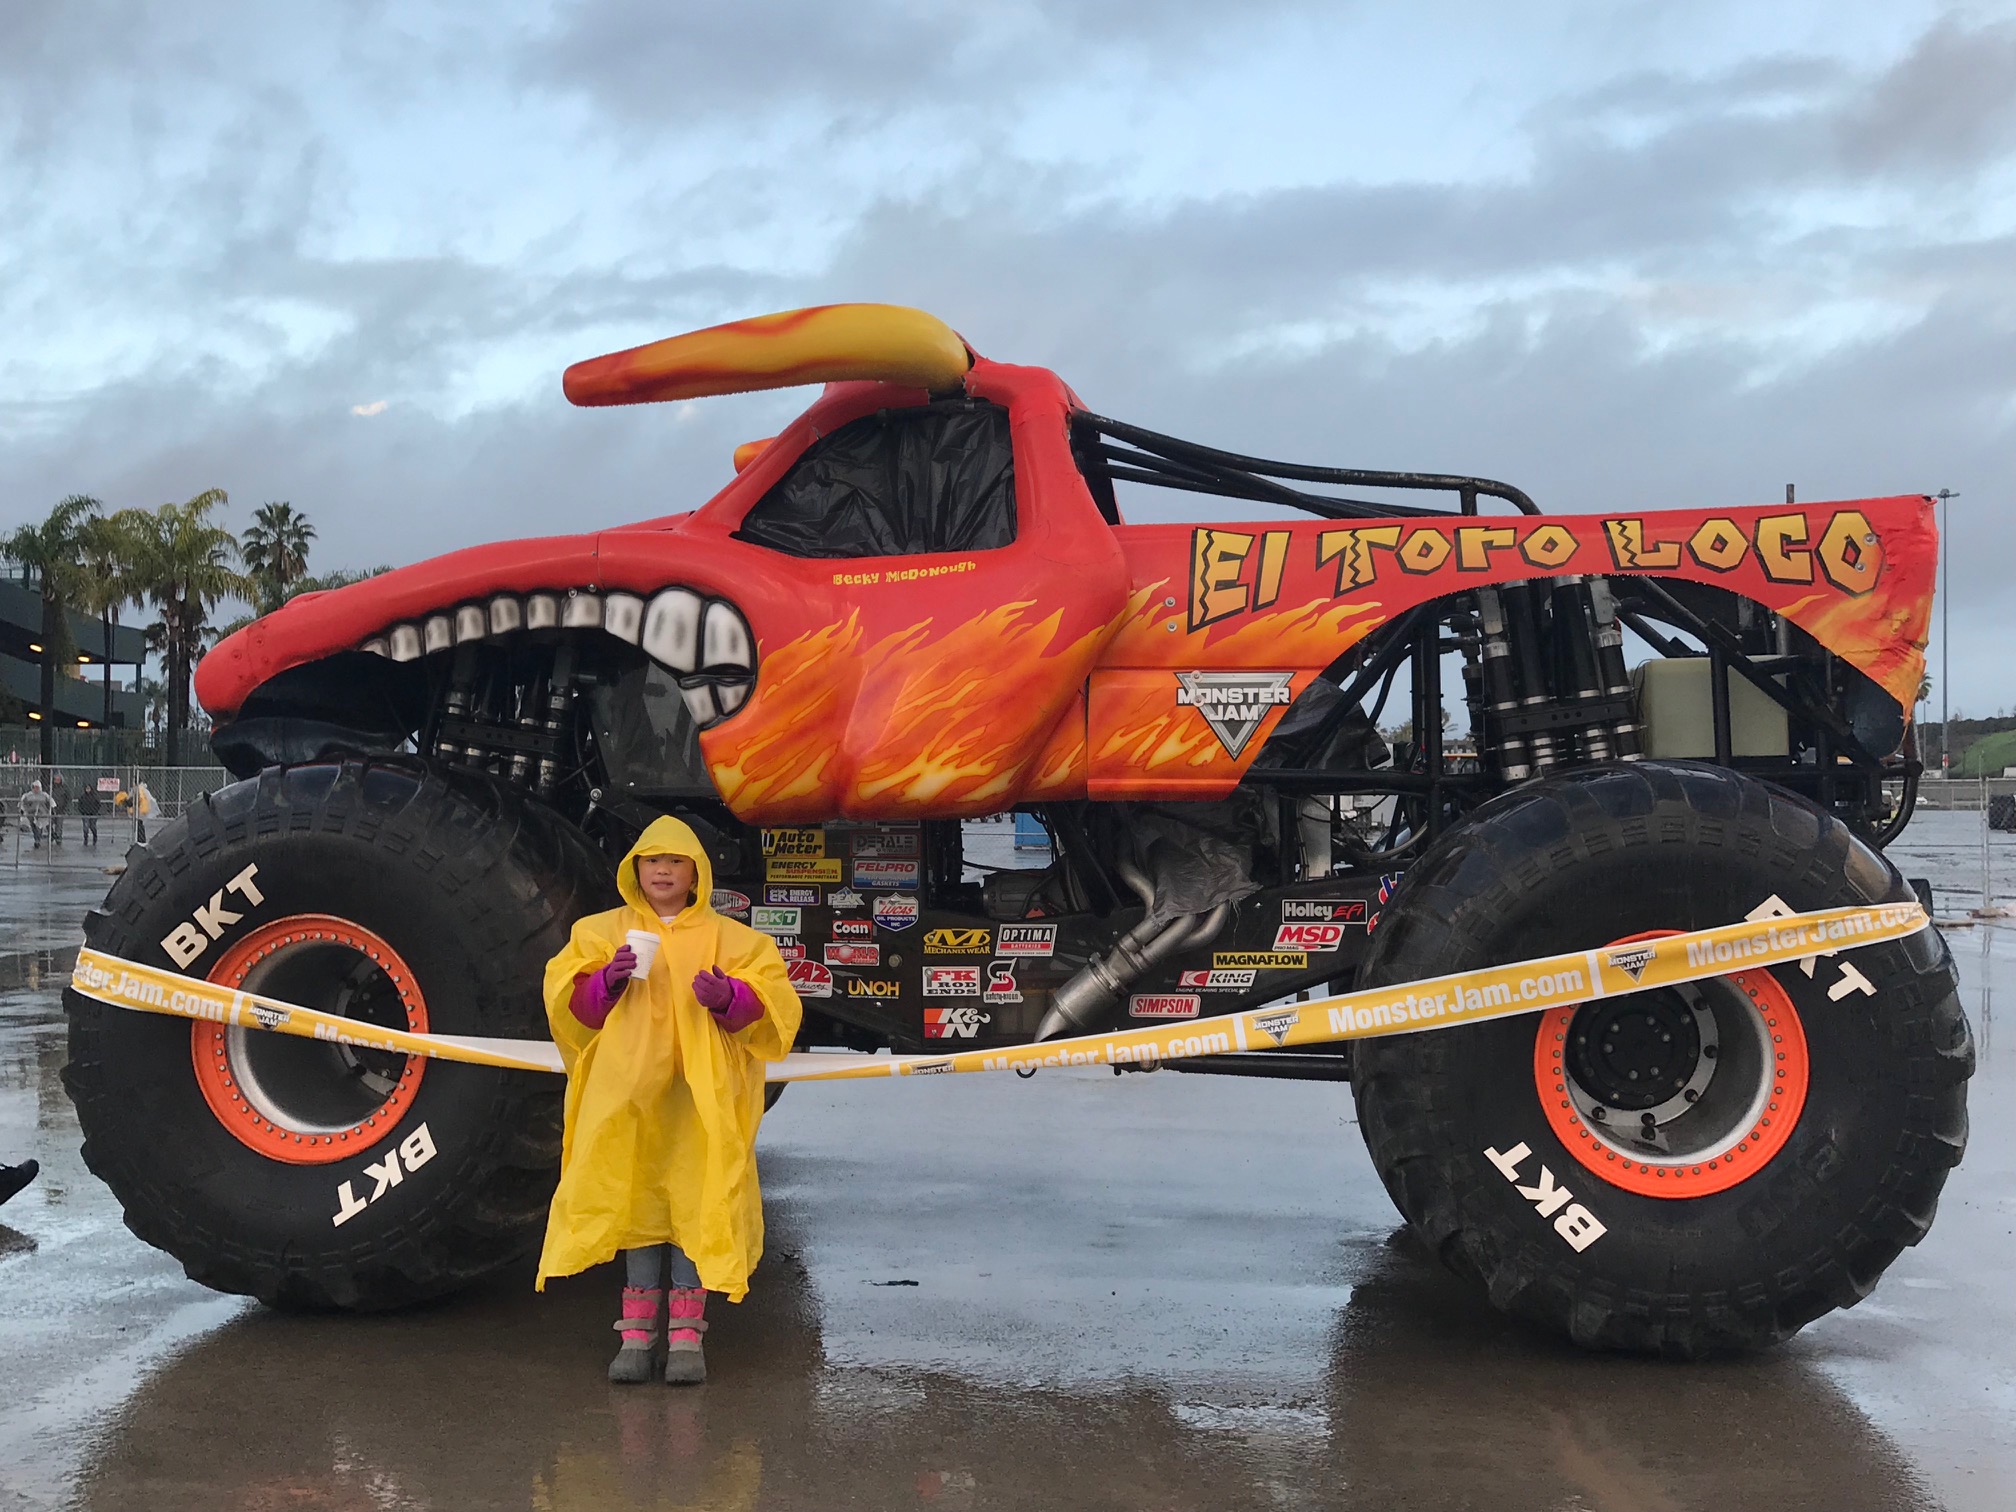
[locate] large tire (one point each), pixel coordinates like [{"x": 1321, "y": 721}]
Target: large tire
[
  {"x": 413, "y": 1178},
  {"x": 1470, "y": 1138}
]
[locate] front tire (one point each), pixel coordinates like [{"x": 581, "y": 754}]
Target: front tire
[
  {"x": 1669, "y": 1173},
  {"x": 304, "y": 1173}
]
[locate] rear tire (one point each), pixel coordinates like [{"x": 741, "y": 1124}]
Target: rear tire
[
  {"x": 1535, "y": 1197},
  {"x": 291, "y": 1170}
]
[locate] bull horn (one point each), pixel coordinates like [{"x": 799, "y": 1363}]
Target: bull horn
[{"x": 825, "y": 344}]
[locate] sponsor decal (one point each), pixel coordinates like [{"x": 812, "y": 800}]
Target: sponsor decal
[
  {"x": 1234, "y": 704},
  {"x": 772, "y": 920},
  {"x": 1001, "y": 984},
  {"x": 962, "y": 1022},
  {"x": 872, "y": 871},
  {"x": 189, "y": 939},
  {"x": 1259, "y": 960},
  {"x": 1389, "y": 882},
  {"x": 793, "y": 842},
  {"x": 810, "y": 979},
  {"x": 1308, "y": 936},
  {"x": 1632, "y": 959},
  {"x": 893, "y": 912},
  {"x": 957, "y": 941},
  {"x": 844, "y": 897},
  {"x": 269, "y": 1018},
  {"x": 1324, "y": 911},
  {"x": 802, "y": 869},
  {"x": 951, "y": 981},
  {"x": 1276, "y": 1025},
  {"x": 790, "y": 947},
  {"x": 1576, "y": 1225},
  {"x": 888, "y": 843},
  {"x": 870, "y": 988},
  {"x": 411, "y": 1153},
  {"x": 1026, "y": 940},
  {"x": 1217, "y": 981},
  {"x": 725, "y": 901},
  {"x": 853, "y": 955},
  {"x": 1164, "y": 1005},
  {"x": 929, "y": 1068},
  {"x": 853, "y": 929},
  {"x": 796, "y": 897}
]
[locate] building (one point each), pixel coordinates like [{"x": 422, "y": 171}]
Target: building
[{"x": 80, "y": 691}]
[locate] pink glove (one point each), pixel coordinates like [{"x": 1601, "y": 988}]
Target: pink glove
[
  {"x": 596, "y": 992},
  {"x": 732, "y": 1001}
]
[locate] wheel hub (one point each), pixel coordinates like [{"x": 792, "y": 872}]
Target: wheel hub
[
  {"x": 1639, "y": 1054},
  {"x": 308, "y": 1102}
]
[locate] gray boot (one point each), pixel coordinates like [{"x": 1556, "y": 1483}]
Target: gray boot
[
  {"x": 639, "y": 1327},
  {"x": 685, "y": 1363}
]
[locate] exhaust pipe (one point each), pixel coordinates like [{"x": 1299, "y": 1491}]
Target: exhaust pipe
[{"x": 1085, "y": 1002}]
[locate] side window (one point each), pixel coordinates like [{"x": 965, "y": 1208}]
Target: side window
[{"x": 902, "y": 482}]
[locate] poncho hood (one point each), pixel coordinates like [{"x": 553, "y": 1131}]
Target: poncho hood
[{"x": 667, "y": 836}]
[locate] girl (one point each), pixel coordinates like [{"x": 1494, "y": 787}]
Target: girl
[{"x": 664, "y": 1092}]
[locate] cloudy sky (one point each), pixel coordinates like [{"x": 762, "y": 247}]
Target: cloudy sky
[{"x": 1619, "y": 253}]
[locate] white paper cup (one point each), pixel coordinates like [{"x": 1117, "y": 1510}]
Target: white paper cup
[{"x": 645, "y": 943}]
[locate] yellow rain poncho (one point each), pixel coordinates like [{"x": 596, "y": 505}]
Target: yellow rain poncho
[{"x": 662, "y": 1106}]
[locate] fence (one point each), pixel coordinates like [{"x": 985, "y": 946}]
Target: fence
[
  {"x": 108, "y": 748},
  {"x": 172, "y": 790},
  {"x": 1968, "y": 794}
]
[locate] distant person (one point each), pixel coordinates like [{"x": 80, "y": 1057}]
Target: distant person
[
  {"x": 59, "y": 808},
  {"x": 36, "y": 808},
  {"x": 13, "y": 1178},
  {"x": 87, "y": 814},
  {"x": 143, "y": 805}
]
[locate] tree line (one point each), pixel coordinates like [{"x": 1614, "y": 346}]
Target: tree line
[{"x": 179, "y": 561}]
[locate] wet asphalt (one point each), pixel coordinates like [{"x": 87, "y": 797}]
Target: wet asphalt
[{"x": 1075, "y": 1291}]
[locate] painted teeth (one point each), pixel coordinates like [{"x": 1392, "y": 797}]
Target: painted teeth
[{"x": 705, "y": 643}]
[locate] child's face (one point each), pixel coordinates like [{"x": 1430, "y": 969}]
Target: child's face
[{"x": 666, "y": 881}]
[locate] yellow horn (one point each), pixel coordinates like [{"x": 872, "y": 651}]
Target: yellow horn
[{"x": 824, "y": 344}]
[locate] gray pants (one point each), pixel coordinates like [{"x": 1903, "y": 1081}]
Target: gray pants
[{"x": 649, "y": 1265}]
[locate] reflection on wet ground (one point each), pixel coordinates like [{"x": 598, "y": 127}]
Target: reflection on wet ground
[{"x": 1155, "y": 1292}]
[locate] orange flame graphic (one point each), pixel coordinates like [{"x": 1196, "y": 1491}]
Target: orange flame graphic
[{"x": 908, "y": 724}]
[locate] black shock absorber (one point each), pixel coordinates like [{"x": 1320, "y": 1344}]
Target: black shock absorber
[
  {"x": 559, "y": 694},
  {"x": 1575, "y": 650},
  {"x": 1526, "y": 631},
  {"x": 461, "y": 699},
  {"x": 1610, "y": 668},
  {"x": 1500, "y": 696}
]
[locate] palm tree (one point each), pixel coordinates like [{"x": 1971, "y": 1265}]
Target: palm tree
[
  {"x": 185, "y": 564},
  {"x": 275, "y": 548},
  {"x": 109, "y": 577},
  {"x": 50, "y": 551}
]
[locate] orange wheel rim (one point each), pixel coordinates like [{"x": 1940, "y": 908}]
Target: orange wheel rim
[
  {"x": 236, "y": 1101},
  {"x": 1751, "y": 1142}
]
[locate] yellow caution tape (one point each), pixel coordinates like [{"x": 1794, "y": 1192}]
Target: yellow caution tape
[{"x": 1448, "y": 1002}]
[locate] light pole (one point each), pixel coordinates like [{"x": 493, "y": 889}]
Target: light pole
[{"x": 1945, "y": 639}]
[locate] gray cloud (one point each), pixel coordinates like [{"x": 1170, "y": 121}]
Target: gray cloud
[{"x": 1648, "y": 312}]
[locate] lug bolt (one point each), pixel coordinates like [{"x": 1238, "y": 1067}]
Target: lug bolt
[{"x": 1599, "y": 1114}]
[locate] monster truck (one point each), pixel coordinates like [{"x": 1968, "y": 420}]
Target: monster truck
[{"x": 920, "y": 603}]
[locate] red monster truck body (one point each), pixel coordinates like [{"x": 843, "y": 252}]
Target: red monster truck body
[{"x": 920, "y": 604}]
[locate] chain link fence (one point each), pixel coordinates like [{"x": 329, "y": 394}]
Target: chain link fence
[
  {"x": 1967, "y": 794},
  {"x": 131, "y": 801}
]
